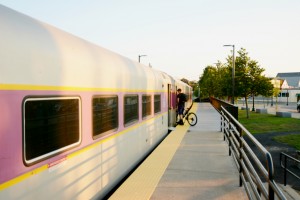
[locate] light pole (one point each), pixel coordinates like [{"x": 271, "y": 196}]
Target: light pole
[
  {"x": 233, "y": 70},
  {"x": 140, "y": 57}
]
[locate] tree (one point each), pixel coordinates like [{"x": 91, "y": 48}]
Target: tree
[
  {"x": 224, "y": 79},
  {"x": 195, "y": 86},
  {"x": 217, "y": 81},
  {"x": 249, "y": 79},
  {"x": 213, "y": 81},
  {"x": 208, "y": 83}
]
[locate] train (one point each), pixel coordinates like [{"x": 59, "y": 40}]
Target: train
[{"x": 76, "y": 118}]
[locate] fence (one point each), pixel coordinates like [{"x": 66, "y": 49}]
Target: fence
[
  {"x": 284, "y": 157},
  {"x": 217, "y": 103},
  {"x": 253, "y": 174}
]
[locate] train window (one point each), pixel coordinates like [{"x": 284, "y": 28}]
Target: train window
[
  {"x": 131, "y": 109},
  {"x": 50, "y": 125},
  {"x": 146, "y": 105},
  {"x": 105, "y": 115},
  {"x": 157, "y": 103}
]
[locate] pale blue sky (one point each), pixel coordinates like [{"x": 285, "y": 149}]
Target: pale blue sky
[{"x": 180, "y": 37}]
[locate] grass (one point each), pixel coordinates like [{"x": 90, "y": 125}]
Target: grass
[
  {"x": 265, "y": 123},
  {"x": 291, "y": 140}
]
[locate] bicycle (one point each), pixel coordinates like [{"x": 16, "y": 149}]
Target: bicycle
[{"x": 190, "y": 117}]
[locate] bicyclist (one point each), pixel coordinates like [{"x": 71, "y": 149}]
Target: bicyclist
[{"x": 181, "y": 99}]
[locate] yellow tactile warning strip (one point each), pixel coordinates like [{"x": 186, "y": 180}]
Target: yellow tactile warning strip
[{"x": 142, "y": 183}]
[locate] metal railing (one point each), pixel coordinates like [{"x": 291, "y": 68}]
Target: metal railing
[
  {"x": 253, "y": 174},
  {"x": 232, "y": 109},
  {"x": 285, "y": 157}
]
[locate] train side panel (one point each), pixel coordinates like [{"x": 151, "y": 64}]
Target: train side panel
[
  {"x": 108, "y": 158},
  {"x": 40, "y": 63},
  {"x": 50, "y": 77}
]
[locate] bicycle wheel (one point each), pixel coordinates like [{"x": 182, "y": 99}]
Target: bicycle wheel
[{"x": 192, "y": 118}]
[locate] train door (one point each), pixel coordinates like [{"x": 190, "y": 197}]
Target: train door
[{"x": 171, "y": 106}]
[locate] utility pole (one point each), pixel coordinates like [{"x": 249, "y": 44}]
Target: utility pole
[{"x": 233, "y": 70}]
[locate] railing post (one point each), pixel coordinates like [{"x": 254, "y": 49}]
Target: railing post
[
  {"x": 285, "y": 170},
  {"x": 241, "y": 156},
  {"x": 229, "y": 140},
  {"x": 258, "y": 190},
  {"x": 221, "y": 123},
  {"x": 271, "y": 173},
  {"x": 238, "y": 145},
  {"x": 271, "y": 193}
]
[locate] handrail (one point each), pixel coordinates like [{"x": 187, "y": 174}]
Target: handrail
[
  {"x": 217, "y": 104},
  {"x": 253, "y": 174},
  {"x": 284, "y": 166}
]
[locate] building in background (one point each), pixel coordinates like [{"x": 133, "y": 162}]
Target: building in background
[{"x": 289, "y": 86}]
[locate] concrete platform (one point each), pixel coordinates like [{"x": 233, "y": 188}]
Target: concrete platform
[
  {"x": 200, "y": 169},
  {"x": 191, "y": 163}
]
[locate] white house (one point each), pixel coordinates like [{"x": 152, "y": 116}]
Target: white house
[{"x": 290, "y": 86}]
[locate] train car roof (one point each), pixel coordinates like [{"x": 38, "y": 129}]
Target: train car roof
[{"x": 35, "y": 53}]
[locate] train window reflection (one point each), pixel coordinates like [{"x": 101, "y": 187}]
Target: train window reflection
[
  {"x": 146, "y": 105},
  {"x": 50, "y": 125},
  {"x": 131, "y": 109},
  {"x": 105, "y": 115},
  {"x": 157, "y": 103}
]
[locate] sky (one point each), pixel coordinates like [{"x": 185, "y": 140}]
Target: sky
[{"x": 180, "y": 37}]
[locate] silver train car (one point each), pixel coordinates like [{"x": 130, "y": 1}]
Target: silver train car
[{"x": 75, "y": 117}]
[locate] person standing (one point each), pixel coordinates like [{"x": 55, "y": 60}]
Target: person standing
[{"x": 181, "y": 99}]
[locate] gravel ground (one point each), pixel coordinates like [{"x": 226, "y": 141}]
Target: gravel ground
[{"x": 275, "y": 149}]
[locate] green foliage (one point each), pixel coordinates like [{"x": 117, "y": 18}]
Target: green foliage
[
  {"x": 249, "y": 78},
  {"x": 216, "y": 80},
  {"x": 291, "y": 140},
  {"x": 193, "y": 84},
  {"x": 207, "y": 81},
  {"x": 266, "y": 123}
]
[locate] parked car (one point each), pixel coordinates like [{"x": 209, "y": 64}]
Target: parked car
[{"x": 298, "y": 106}]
